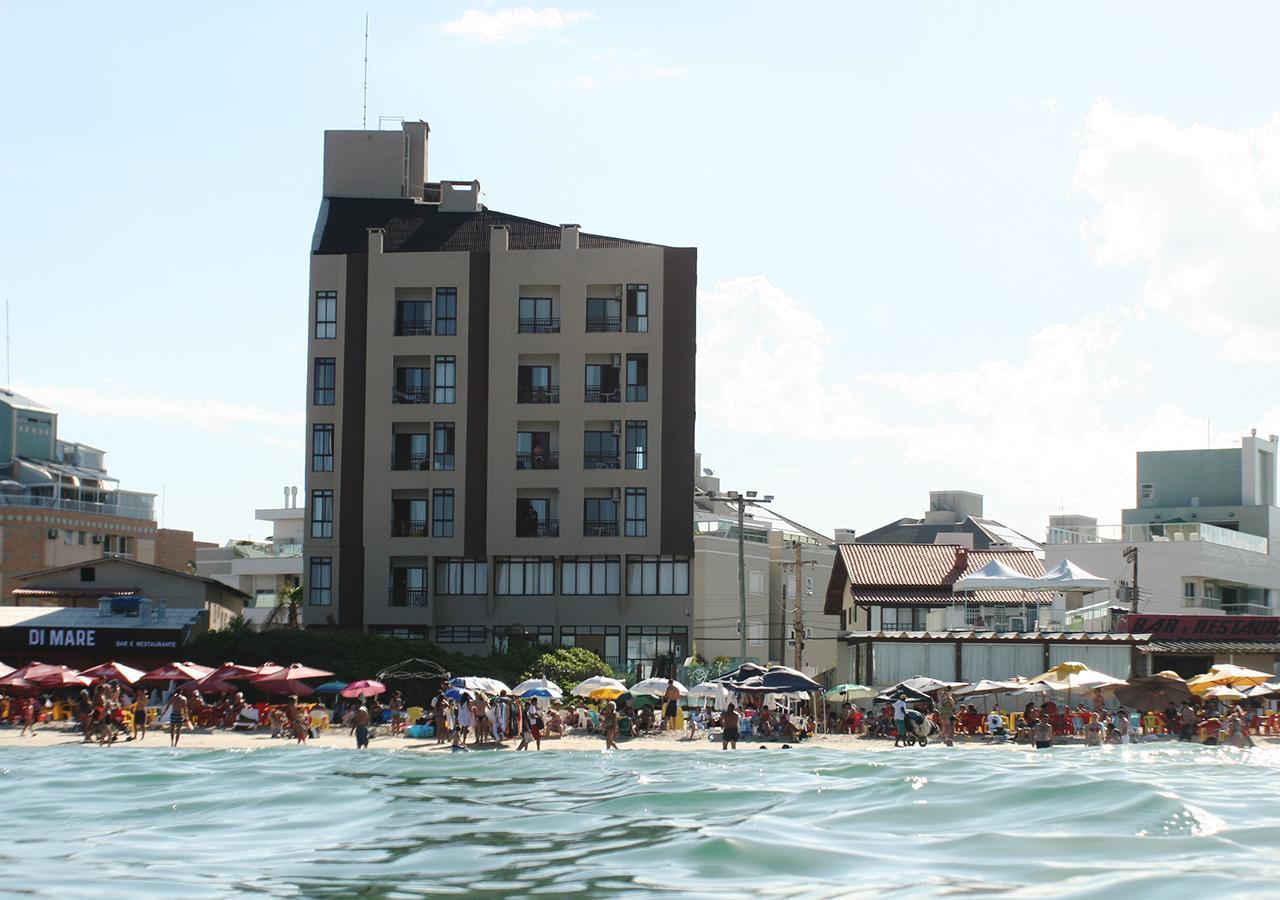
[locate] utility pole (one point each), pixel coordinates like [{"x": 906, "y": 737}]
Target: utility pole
[
  {"x": 1131, "y": 555},
  {"x": 742, "y": 583},
  {"x": 798, "y": 614}
]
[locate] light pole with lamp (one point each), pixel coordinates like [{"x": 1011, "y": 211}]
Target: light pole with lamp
[{"x": 743, "y": 501}]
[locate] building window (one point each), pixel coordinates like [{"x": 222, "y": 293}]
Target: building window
[
  {"x": 905, "y": 618},
  {"x": 599, "y": 517},
  {"x": 68, "y": 536},
  {"x": 1146, "y": 491},
  {"x": 80, "y": 539},
  {"x": 409, "y": 517},
  {"x": 638, "y": 307},
  {"x": 649, "y": 644},
  {"x": 533, "y": 451},
  {"x": 526, "y": 576},
  {"x": 325, "y": 381},
  {"x": 326, "y": 314},
  {"x": 602, "y": 640},
  {"x": 88, "y": 573},
  {"x": 637, "y": 513},
  {"x": 637, "y": 445},
  {"x": 413, "y": 385},
  {"x": 1188, "y": 588},
  {"x": 409, "y": 586},
  {"x": 594, "y": 575},
  {"x": 537, "y": 316},
  {"x": 442, "y": 512},
  {"x": 446, "y": 310},
  {"x": 657, "y": 575},
  {"x": 401, "y": 632},
  {"x": 442, "y": 447},
  {"x": 320, "y": 581},
  {"x": 462, "y": 577},
  {"x": 446, "y": 379},
  {"x": 602, "y": 383},
  {"x": 599, "y": 450},
  {"x": 411, "y": 451},
  {"x": 322, "y": 514},
  {"x": 533, "y": 518},
  {"x": 533, "y": 385},
  {"x": 604, "y": 314},
  {"x": 322, "y": 447},
  {"x": 530, "y": 634},
  {"x": 637, "y": 377},
  {"x": 461, "y": 634},
  {"x": 413, "y": 317},
  {"x": 755, "y": 583}
]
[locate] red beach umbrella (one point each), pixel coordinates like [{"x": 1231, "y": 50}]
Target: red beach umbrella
[
  {"x": 32, "y": 671},
  {"x": 230, "y": 671},
  {"x": 365, "y": 688},
  {"x": 284, "y": 686},
  {"x": 209, "y": 684},
  {"x": 62, "y": 678},
  {"x": 5, "y": 670},
  {"x": 267, "y": 668},
  {"x": 114, "y": 671},
  {"x": 295, "y": 672},
  {"x": 177, "y": 671}
]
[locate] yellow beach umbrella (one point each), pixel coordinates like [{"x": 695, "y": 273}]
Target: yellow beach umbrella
[
  {"x": 1226, "y": 675},
  {"x": 1222, "y": 692},
  {"x": 1170, "y": 674},
  {"x": 605, "y": 694},
  {"x": 1061, "y": 672}
]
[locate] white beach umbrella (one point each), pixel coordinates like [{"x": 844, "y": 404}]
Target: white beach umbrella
[
  {"x": 538, "y": 684},
  {"x": 598, "y": 683},
  {"x": 480, "y": 685},
  {"x": 709, "y": 690},
  {"x": 656, "y": 687}
]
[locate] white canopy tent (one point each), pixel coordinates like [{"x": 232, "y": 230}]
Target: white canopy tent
[{"x": 1065, "y": 576}]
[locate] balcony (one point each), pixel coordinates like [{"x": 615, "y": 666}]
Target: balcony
[
  {"x": 1157, "y": 533},
  {"x": 538, "y": 394},
  {"x": 410, "y": 462},
  {"x": 413, "y": 328},
  {"x": 1228, "y": 609},
  {"x": 600, "y": 460},
  {"x": 540, "y": 460},
  {"x": 600, "y": 528},
  {"x": 597, "y": 324},
  {"x": 411, "y": 395},
  {"x": 548, "y": 528},
  {"x": 84, "y": 506},
  {"x": 408, "y": 597},
  {"x": 410, "y": 528},
  {"x": 538, "y": 326},
  {"x": 596, "y": 395}
]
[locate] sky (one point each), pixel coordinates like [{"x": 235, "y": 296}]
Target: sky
[{"x": 993, "y": 247}]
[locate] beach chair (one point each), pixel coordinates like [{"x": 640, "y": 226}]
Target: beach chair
[
  {"x": 745, "y": 728},
  {"x": 593, "y": 721},
  {"x": 247, "y": 720},
  {"x": 319, "y": 720}
]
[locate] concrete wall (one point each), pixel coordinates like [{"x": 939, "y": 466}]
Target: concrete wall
[
  {"x": 716, "y": 603},
  {"x": 1178, "y": 475},
  {"x": 364, "y": 164},
  {"x": 25, "y": 545}
]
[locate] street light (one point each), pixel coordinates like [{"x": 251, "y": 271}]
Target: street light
[{"x": 751, "y": 498}]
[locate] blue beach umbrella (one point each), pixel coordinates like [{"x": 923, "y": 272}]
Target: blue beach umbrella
[
  {"x": 454, "y": 693},
  {"x": 331, "y": 687},
  {"x": 537, "y": 692}
]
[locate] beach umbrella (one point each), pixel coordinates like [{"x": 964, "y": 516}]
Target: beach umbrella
[
  {"x": 209, "y": 684},
  {"x": 1225, "y": 675},
  {"x": 32, "y": 672},
  {"x": 479, "y": 685},
  {"x": 1039, "y": 689},
  {"x": 230, "y": 671},
  {"x": 902, "y": 692},
  {"x": 267, "y": 668},
  {"x": 850, "y": 692},
  {"x": 18, "y": 686},
  {"x": 1223, "y": 692},
  {"x": 455, "y": 693},
  {"x": 363, "y": 688},
  {"x": 656, "y": 687},
  {"x": 295, "y": 672},
  {"x": 284, "y": 686},
  {"x": 5, "y": 670},
  {"x": 709, "y": 690},
  {"x": 926, "y": 685},
  {"x": 1154, "y": 692},
  {"x": 114, "y": 671},
  {"x": 987, "y": 687},
  {"x": 330, "y": 687},
  {"x": 177, "y": 671},
  {"x": 1259, "y": 691},
  {"x": 546, "y": 686},
  {"x": 600, "y": 685},
  {"x": 63, "y": 677}
]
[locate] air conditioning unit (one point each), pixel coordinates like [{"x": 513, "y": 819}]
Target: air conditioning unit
[
  {"x": 53, "y": 534},
  {"x": 616, "y": 360},
  {"x": 808, "y": 634},
  {"x": 617, "y": 494},
  {"x": 97, "y": 539},
  {"x": 617, "y": 428}
]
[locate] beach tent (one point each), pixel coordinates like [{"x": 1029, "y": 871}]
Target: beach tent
[
  {"x": 996, "y": 576},
  {"x": 538, "y": 687},
  {"x": 656, "y": 687},
  {"x": 114, "y": 671},
  {"x": 1067, "y": 576}
]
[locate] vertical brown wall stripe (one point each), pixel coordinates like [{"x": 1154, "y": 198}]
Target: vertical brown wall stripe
[
  {"x": 679, "y": 345},
  {"x": 351, "y": 462},
  {"x": 475, "y": 518}
]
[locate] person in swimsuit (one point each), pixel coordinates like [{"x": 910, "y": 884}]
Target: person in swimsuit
[
  {"x": 670, "y": 710},
  {"x": 360, "y": 726},
  {"x": 139, "y": 724},
  {"x": 177, "y": 717},
  {"x": 729, "y": 724},
  {"x": 1042, "y": 734},
  {"x": 610, "y": 722}
]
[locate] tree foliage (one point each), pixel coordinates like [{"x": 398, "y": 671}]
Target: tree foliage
[{"x": 567, "y": 666}]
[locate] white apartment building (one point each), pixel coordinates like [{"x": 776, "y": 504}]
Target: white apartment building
[{"x": 261, "y": 568}]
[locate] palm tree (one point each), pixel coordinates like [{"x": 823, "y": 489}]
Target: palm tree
[{"x": 289, "y": 601}]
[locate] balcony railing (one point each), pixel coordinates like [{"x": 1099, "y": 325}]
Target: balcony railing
[
  {"x": 541, "y": 460},
  {"x": 410, "y": 528},
  {"x": 406, "y": 597},
  {"x": 1229, "y": 609},
  {"x": 595, "y": 395},
  {"x": 593, "y": 459},
  {"x": 411, "y": 395},
  {"x": 604, "y": 323},
  {"x": 548, "y": 528},
  {"x": 538, "y": 326},
  {"x": 1157, "y": 533},
  {"x": 413, "y": 328},
  {"x": 600, "y": 528},
  {"x": 410, "y": 462},
  {"x": 538, "y": 394},
  {"x": 104, "y": 509}
]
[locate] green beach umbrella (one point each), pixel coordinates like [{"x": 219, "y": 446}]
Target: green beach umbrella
[{"x": 850, "y": 692}]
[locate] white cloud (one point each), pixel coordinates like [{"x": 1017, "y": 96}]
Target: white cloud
[
  {"x": 514, "y": 24},
  {"x": 1053, "y": 104},
  {"x": 123, "y": 403},
  {"x": 1198, "y": 209},
  {"x": 655, "y": 73}
]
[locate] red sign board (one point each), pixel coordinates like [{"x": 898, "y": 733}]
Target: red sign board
[{"x": 1192, "y": 628}]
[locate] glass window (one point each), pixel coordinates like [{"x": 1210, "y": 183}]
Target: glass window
[
  {"x": 408, "y": 586},
  {"x": 638, "y": 307},
  {"x": 649, "y": 644},
  {"x": 320, "y": 583},
  {"x": 604, "y": 314},
  {"x": 602, "y": 640},
  {"x": 533, "y": 451},
  {"x": 446, "y": 310},
  {"x": 326, "y": 314},
  {"x": 446, "y": 379},
  {"x": 442, "y": 446},
  {"x": 582, "y": 575},
  {"x": 599, "y": 450},
  {"x": 599, "y": 517},
  {"x": 637, "y": 445},
  {"x": 442, "y": 512},
  {"x": 461, "y": 577},
  {"x": 533, "y": 385},
  {"x": 524, "y": 575},
  {"x": 413, "y": 317},
  {"x": 401, "y": 632},
  {"x": 637, "y": 377},
  {"x": 637, "y": 524},
  {"x": 537, "y": 316},
  {"x": 461, "y": 634},
  {"x": 324, "y": 381},
  {"x": 322, "y": 514},
  {"x": 409, "y": 517},
  {"x": 322, "y": 447},
  {"x": 601, "y": 383},
  {"x": 411, "y": 451},
  {"x": 533, "y": 518},
  {"x": 413, "y": 385},
  {"x": 530, "y": 634},
  {"x": 657, "y": 575}
]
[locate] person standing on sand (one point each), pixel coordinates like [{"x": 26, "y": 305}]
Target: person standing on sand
[
  {"x": 729, "y": 728},
  {"x": 360, "y": 727},
  {"x": 947, "y": 715},
  {"x": 139, "y": 713},
  {"x": 28, "y": 716},
  {"x": 610, "y": 722},
  {"x": 670, "y": 708},
  {"x": 177, "y": 717},
  {"x": 526, "y": 733},
  {"x": 899, "y": 721}
]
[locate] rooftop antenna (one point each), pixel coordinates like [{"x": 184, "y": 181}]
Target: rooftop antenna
[{"x": 364, "y": 97}]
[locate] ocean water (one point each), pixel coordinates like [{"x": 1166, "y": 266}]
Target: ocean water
[{"x": 1163, "y": 820}]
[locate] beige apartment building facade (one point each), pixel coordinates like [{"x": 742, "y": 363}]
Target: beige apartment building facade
[{"x": 500, "y": 419}]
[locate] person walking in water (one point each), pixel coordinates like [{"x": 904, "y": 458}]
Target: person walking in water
[
  {"x": 360, "y": 727},
  {"x": 729, "y": 728},
  {"x": 610, "y": 722},
  {"x": 177, "y": 717},
  {"x": 946, "y": 715}
]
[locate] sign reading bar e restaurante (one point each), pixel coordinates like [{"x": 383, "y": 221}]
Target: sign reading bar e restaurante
[{"x": 1240, "y": 628}]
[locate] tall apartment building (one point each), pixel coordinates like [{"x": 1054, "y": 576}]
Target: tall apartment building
[{"x": 500, "y": 418}]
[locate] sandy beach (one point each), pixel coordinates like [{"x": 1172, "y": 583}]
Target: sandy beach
[{"x": 204, "y": 739}]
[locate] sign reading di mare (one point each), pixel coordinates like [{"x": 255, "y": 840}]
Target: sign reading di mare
[
  {"x": 48, "y": 638},
  {"x": 62, "y": 637}
]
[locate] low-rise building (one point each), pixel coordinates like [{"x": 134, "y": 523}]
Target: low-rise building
[{"x": 261, "y": 569}]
